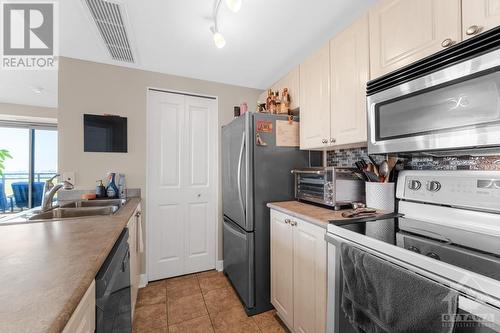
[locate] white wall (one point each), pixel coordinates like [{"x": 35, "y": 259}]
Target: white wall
[{"x": 87, "y": 87}]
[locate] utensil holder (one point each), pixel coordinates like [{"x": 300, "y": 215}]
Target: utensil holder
[{"x": 381, "y": 196}]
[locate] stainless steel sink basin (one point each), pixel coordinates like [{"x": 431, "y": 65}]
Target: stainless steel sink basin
[
  {"x": 61, "y": 213},
  {"x": 95, "y": 203}
]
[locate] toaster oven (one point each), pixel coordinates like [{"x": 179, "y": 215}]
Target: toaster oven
[{"x": 329, "y": 186}]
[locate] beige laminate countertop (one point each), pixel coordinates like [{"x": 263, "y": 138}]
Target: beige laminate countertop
[
  {"x": 310, "y": 213},
  {"x": 46, "y": 267}
]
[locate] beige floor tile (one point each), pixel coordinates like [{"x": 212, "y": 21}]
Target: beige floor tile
[
  {"x": 196, "y": 325},
  {"x": 185, "y": 308},
  {"x": 274, "y": 328},
  {"x": 213, "y": 281},
  {"x": 181, "y": 287},
  {"x": 267, "y": 318},
  {"x": 182, "y": 277},
  {"x": 152, "y": 294},
  {"x": 219, "y": 300},
  {"x": 207, "y": 273},
  {"x": 234, "y": 320},
  {"x": 151, "y": 318}
]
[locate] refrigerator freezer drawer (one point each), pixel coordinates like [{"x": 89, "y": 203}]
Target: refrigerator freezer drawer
[{"x": 239, "y": 261}]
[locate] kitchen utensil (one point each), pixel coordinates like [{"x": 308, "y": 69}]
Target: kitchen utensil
[
  {"x": 372, "y": 168},
  {"x": 384, "y": 169},
  {"x": 372, "y": 177},
  {"x": 359, "y": 212},
  {"x": 391, "y": 161}
]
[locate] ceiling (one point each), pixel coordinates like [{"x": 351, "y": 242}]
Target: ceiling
[{"x": 265, "y": 39}]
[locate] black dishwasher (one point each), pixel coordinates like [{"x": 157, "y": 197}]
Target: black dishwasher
[{"x": 113, "y": 302}]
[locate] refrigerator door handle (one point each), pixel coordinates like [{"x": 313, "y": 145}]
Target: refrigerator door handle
[{"x": 240, "y": 162}]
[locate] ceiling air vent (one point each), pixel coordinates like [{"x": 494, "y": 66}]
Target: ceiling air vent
[{"x": 111, "y": 25}]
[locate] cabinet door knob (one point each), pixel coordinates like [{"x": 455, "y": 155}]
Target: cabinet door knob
[
  {"x": 332, "y": 140},
  {"x": 137, "y": 214},
  {"x": 293, "y": 223},
  {"x": 447, "y": 42},
  {"x": 324, "y": 141},
  {"x": 287, "y": 221},
  {"x": 472, "y": 30}
]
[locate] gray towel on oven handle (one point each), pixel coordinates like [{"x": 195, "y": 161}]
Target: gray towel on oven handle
[{"x": 379, "y": 296}]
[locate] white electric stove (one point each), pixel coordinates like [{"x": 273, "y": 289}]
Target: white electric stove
[{"x": 448, "y": 231}]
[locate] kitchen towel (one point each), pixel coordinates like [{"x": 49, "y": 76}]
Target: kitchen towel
[{"x": 379, "y": 296}]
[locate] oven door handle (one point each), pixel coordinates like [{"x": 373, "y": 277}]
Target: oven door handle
[
  {"x": 424, "y": 232},
  {"x": 489, "y": 314}
]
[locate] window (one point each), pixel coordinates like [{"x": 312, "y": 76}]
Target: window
[{"x": 34, "y": 159}]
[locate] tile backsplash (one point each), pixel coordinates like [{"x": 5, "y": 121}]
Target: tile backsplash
[{"x": 347, "y": 157}]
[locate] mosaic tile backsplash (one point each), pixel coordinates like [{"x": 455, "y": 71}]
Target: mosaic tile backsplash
[{"x": 347, "y": 158}]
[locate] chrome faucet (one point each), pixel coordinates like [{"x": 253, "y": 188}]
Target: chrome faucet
[{"x": 49, "y": 190}]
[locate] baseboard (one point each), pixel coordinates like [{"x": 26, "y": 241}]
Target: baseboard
[
  {"x": 219, "y": 265},
  {"x": 143, "y": 281}
]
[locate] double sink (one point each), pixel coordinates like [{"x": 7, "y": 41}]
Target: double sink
[{"x": 82, "y": 208}]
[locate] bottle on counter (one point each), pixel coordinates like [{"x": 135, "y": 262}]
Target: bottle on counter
[
  {"x": 122, "y": 192},
  {"x": 112, "y": 189},
  {"x": 100, "y": 191}
]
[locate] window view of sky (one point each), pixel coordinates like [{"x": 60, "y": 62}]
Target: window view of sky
[{"x": 16, "y": 141}]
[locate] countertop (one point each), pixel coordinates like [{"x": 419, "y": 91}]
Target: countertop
[
  {"x": 46, "y": 267},
  {"x": 310, "y": 213}
]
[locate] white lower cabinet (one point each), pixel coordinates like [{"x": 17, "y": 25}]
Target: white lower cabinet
[
  {"x": 83, "y": 318},
  {"x": 298, "y": 273},
  {"x": 134, "y": 240}
]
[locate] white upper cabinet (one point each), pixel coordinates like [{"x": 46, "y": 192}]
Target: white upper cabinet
[
  {"x": 350, "y": 62},
  {"x": 403, "y": 31},
  {"x": 479, "y": 16},
  {"x": 315, "y": 100}
]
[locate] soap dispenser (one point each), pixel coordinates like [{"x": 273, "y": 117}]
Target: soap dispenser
[{"x": 100, "y": 191}]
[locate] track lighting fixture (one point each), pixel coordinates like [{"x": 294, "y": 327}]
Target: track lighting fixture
[{"x": 234, "y": 6}]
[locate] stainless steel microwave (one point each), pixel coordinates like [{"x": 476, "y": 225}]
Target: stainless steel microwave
[{"x": 448, "y": 101}]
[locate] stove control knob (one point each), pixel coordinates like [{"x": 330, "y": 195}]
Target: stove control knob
[
  {"x": 414, "y": 185},
  {"x": 433, "y": 256},
  {"x": 433, "y": 186},
  {"x": 414, "y": 249}
]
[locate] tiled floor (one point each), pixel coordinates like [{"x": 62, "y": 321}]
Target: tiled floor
[{"x": 203, "y": 302}]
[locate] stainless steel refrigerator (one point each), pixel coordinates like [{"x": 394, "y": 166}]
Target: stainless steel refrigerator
[{"x": 255, "y": 171}]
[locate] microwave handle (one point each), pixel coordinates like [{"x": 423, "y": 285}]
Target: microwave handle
[{"x": 314, "y": 172}]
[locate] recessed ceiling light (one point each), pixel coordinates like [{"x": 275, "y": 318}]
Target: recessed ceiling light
[{"x": 233, "y": 5}]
